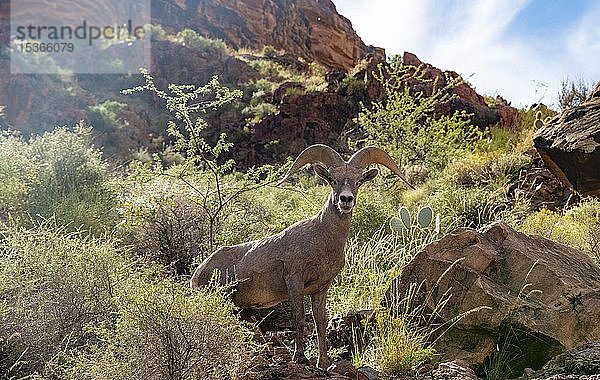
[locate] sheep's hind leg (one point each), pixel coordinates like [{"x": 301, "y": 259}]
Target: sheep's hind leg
[
  {"x": 295, "y": 287},
  {"x": 320, "y": 317}
]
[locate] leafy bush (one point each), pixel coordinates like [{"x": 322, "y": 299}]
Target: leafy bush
[
  {"x": 471, "y": 192},
  {"x": 17, "y": 173},
  {"x": 56, "y": 287},
  {"x": 405, "y": 124},
  {"x": 578, "y": 227},
  {"x": 154, "y": 32},
  {"x": 355, "y": 88},
  {"x": 189, "y": 105},
  {"x": 71, "y": 307},
  {"x": 316, "y": 81},
  {"x": 260, "y": 110},
  {"x": 269, "y": 51},
  {"x": 162, "y": 220},
  {"x": 166, "y": 331},
  {"x": 104, "y": 116},
  {"x": 192, "y": 39},
  {"x": 269, "y": 210},
  {"x": 59, "y": 174},
  {"x": 70, "y": 161},
  {"x": 274, "y": 71},
  {"x": 372, "y": 211}
]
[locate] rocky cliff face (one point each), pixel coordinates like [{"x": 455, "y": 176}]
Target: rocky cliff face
[
  {"x": 306, "y": 28},
  {"x": 309, "y": 29}
]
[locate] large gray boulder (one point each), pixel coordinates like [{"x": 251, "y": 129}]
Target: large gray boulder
[
  {"x": 542, "y": 297},
  {"x": 570, "y": 145}
]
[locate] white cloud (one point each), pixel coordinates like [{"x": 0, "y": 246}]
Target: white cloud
[
  {"x": 584, "y": 42},
  {"x": 474, "y": 37}
]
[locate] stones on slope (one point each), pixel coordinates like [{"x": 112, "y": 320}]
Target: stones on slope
[
  {"x": 578, "y": 364},
  {"x": 454, "y": 370},
  {"x": 569, "y": 144},
  {"x": 543, "y": 297},
  {"x": 540, "y": 187}
]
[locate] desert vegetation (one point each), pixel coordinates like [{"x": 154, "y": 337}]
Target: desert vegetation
[{"x": 96, "y": 255}]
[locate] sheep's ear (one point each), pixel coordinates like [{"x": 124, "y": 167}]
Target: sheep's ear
[
  {"x": 369, "y": 175},
  {"x": 321, "y": 171}
]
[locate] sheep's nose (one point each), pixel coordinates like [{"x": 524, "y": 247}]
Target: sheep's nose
[{"x": 346, "y": 198}]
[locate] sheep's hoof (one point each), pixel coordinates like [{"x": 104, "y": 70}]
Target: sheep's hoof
[{"x": 300, "y": 358}]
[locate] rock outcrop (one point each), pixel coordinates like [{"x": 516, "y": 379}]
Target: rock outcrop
[
  {"x": 540, "y": 187},
  {"x": 466, "y": 98},
  {"x": 306, "y": 28},
  {"x": 309, "y": 29},
  {"x": 577, "y": 364},
  {"x": 542, "y": 297},
  {"x": 570, "y": 145},
  {"x": 303, "y": 119}
]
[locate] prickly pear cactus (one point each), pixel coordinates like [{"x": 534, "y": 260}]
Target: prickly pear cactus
[
  {"x": 396, "y": 224},
  {"x": 405, "y": 216},
  {"x": 425, "y": 217}
]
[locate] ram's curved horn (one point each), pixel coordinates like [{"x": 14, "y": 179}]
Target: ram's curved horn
[
  {"x": 315, "y": 153},
  {"x": 373, "y": 155}
]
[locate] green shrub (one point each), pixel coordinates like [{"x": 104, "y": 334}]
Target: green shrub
[
  {"x": 470, "y": 192},
  {"x": 71, "y": 307},
  {"x": 269, "y": 210},
  {"x": 17, "y": 173},
  {"x": 104, "y": 116},
  {"x": 269, "y": 51},
  {"x": 192, "y": 39},
  {"x": 162, "y": 221},
  {"x": 72, "y": 181},
  {"x": 154, "y": 32},
  {"x": 57, "y": 175},
  {"x": 578, "y": 227},
  {"x": 189, "y": 105},
  {"x": 167, "y": 331},
  {"x": 69, "y": 161},
  {"x": 355, "y": 88},
  {"x": 399, "y": 346},
  {"x": 55, "y": 288},
  {"x": 260, "y": 110},
  {"x": 405, "y": 124},
  {"x": 372, "y": 212}
]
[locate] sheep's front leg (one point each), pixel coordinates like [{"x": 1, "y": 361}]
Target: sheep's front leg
[
  {"x": 320, "y": 317},
  {"x": 295, "y": 287}
]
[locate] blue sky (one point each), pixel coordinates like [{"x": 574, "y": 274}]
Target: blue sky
[{"x": 520, "y": 49}]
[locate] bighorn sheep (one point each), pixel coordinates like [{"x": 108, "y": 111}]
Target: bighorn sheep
[{"x": 304, "y": 258}]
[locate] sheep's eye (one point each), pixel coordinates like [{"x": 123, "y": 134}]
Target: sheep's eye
[{"x": 333, "y": 182}]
